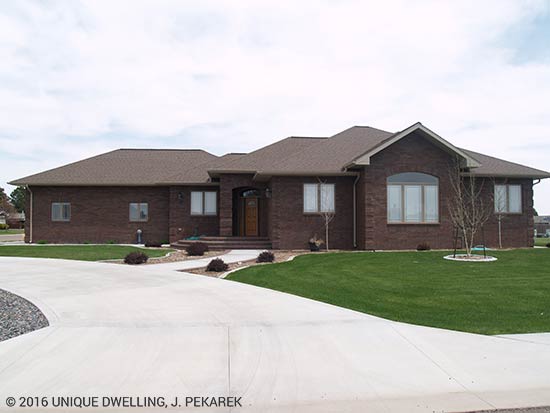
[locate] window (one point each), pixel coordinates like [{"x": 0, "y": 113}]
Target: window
[
  {"x": 204, "y": 203},
  {"x": 413, "y": 198},
  {"x": 508, "y": 199},
  {"x": 318, "y": 198},
  {"x": 61, "y": 211},
  {"x": 139, "y": 212}
]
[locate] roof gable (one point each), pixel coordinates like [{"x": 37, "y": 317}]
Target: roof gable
[{"x": 364, "y": 159}]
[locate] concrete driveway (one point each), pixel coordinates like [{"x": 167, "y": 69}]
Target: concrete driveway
[{"x": 151, "y": 331}]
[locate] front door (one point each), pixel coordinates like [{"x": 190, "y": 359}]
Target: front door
[{"x": 251, "y": 217}]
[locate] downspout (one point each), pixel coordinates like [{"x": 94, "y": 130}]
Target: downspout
[
  {"x": 30, "y": 215},
  {"x": 355, "y": 211}
]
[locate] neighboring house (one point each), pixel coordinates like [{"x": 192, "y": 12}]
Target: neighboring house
[
  {"x": 387, "y": 191},
  {"x": 542, "y": 225}
]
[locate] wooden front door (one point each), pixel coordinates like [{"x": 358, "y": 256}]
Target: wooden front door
[{"x": 251, "y": 217}]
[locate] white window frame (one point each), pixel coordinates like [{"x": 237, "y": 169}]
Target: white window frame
[
  {"x": 318, "y": 207},
  {"x": 140, "y": 206},
  {"x": 423, "y": 210},
  {"x": 62, "y": 206},
  {"x": 203, "y": 197},
  {"x": 506, "y": 209}
]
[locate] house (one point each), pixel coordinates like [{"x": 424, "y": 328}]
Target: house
[
  {"x": 386, "y": 190},
  {"x": 542, "y": 226}
]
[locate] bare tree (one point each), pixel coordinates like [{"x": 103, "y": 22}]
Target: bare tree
[
  {"x": 500, "y": 209},
  {"x": 325, "y": 211},
  {"x": 468, "y": 209}
]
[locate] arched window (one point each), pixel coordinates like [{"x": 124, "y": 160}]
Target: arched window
[{"x": 413, "y": 198}]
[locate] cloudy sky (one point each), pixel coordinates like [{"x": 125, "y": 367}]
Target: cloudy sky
[{"x": 81, "y": 78}]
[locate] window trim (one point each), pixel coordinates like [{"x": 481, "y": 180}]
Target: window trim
[
  {"x": 61, "y": 219},
  {"x": 318, "y": 207},
  {"x": 203, "y": 206},
  {"x": 422, "y": 186},
  {"x": 507, "y": 196},
  {"x": 139, "y": 204}
]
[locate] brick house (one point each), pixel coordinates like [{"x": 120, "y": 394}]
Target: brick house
[{"x": 387, "y": 191}]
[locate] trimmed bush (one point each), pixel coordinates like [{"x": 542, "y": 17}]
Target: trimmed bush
[
  {"x": 4, "y": 226},
  {"x": 265, "y": 256},
  {"x": 197, "y": 248},
  {"x": 217, "y": 265},
  {"x": 424, "y": 246},
  {"x": 135, "y": 258}
]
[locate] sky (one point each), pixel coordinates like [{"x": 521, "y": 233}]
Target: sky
[{"x": 78, "y": 78}]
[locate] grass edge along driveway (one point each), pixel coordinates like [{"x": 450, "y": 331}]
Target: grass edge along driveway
[
  {"x": 511, "y": 295},
  {"x": 77, "y": 252}
]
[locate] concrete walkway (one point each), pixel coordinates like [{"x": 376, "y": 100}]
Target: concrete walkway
[{"x": 151, "y": 331}]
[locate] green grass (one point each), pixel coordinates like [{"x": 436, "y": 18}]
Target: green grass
[
  {"x": 511, "y": 295},
  {"x": 541, "y": 242},
  {"x": 76, "y": 252},
  {"x": 11, "y": 231}
]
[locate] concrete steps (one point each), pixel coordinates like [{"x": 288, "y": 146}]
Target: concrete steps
[{"x": 228, "y": 243}]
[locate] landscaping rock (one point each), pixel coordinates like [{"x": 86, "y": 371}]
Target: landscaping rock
[{"x": 19, "y": 316}]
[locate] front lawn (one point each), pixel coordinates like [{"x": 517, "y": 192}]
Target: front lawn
[
  {"x": 11, "y": 231},
  {"x": 77, "y": 252},
  {"x": 511, "y": 295}
]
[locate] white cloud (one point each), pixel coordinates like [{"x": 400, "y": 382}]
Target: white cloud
[{"x": 79, "y": 78}]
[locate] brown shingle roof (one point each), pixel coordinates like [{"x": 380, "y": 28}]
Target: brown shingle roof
[
  {"x": 332, "y": 154},
  {"x": 491, "y": 166},
  {"x": 290, "y": 156},
  {"x": 123, "y": 167},
  {"x": 268, "y": 156}
]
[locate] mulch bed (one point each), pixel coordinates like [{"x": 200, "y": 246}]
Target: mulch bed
[
  {"x": 280, "y": 256},
  {"x": 19, "y": 316}
]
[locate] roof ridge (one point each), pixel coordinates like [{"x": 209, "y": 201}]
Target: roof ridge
[{"x": 161, "y": 149}]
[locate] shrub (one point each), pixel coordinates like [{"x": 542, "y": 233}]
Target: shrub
[
  {"x": 153, "y": 245},
  {"x": 548, "y": 245},
  {"x": 135, "y": 258},
  {"x": 217, "y": 265},
  {"x": 42, "y": 241},
  {"x": 111, "y": 242},
  {"x": 266, "y": 256},
  {"x": 196, "y": 248},
  {"x": 4, "y": 226},
  {"x": 424, "y": 246}
]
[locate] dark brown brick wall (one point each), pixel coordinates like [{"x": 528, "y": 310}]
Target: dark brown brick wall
[
  {"x": 416, "y": 154},
  {"x": 182, "y": 223},
  {"x": 292, "y": 229},
  {"x": 99, "y": 214}
]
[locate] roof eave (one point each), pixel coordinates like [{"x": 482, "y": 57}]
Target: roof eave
[{"x": 513, "y": 176}]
